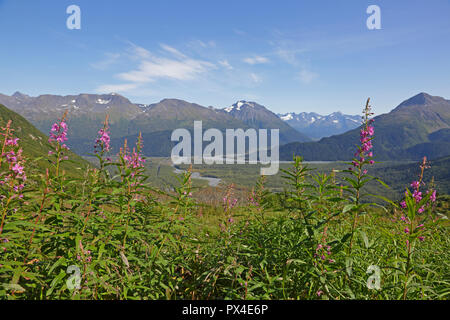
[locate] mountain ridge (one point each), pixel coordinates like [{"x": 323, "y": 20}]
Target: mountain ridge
[
  {"x": 86, "y": 113},
  {"x": 318, "y": 126},
  {"x": 405, "y": 133}
]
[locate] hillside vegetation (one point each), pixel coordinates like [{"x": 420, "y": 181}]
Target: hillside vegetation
[{"x": 35, "y": 144}]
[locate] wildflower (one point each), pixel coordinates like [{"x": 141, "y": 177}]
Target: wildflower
[
  {"x": 12, "y": 142},
  {"x": 104, "y": 139},
  {"x": 417, "y": 195},
  {"x": 319, "y": 293},
  {"x": 433, "y": 196},
  {"x": 366, "y": 133},
  {"x": 403, "y": 204},
  {"x": 58, "y": 132},
  {"x": 415, "y": 184}
]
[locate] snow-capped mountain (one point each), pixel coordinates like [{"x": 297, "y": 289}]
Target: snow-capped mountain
[
  {"x": 258, "y": 116},
  {"x": 319, "y": 126}
]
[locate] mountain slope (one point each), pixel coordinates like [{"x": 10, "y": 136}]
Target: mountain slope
[
  {"x": 408, "y": 132},
  {"x": 34, "y": 143},
  {"x": 319, "y": 126},
  {"x": 258, "y": 116}
]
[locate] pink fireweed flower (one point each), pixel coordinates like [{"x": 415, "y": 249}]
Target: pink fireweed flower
[
  {"x": 55, "y": 127},
  {"x": 364, "y": 152},
  {"x": 104, "y": 139},
  {"x": 11, "y": 157},
  {"x": 433, "y": 196},
  {"x": 18, "y": 169},
  {"x": 403, "y": 204},
  {"x": 417, "y": 196},
  {"x": 415, "y": 184},
  {"x": 58, "y": 133},
  {"x": 12, "y": 142}
]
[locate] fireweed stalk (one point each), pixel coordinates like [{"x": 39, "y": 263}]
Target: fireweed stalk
[
  {"x": 58, "y": 136},
  {"x": 229, "y": 202},
  {"x": 413, "y": 216},
  {"x": 183, "y": 198},
  {"x": 132, "y": 169},
  {"x": 362, "y": 158},
  {"x": 13, "y": 177},
  {"x": 257, "y": 196},
  {"x": 102, "y": 144}
]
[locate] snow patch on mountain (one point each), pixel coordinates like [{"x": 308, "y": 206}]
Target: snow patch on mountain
[
  {"x": 101, "y": 101},
  {"x": 287, "y": 117}
]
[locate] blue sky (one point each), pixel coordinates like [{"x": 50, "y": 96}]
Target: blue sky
[{"x": 287, "y": 55}]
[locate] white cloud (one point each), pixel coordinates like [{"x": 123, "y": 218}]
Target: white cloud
[
  {"x": 255, "y": 78},
  {"x": 140, "y": 52},
  {"x": 202, "y": 44},
  {"x": 256, "y": 60},
  {"x": 307, "y": 76},
  {"x": 172, "y": 50},
  {"x": 225, "y": 64},
  {"x": 150, "y": 70},
  {"x": 110, "y": 59},
  {"x": 288, "y": 56},
  {"x": 176, "y": 66}
]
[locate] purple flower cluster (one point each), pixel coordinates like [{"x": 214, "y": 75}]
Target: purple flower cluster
[
  {"x": 253, "y": 199},
  {"x": 414, "y": 203},
  {"x": 134, "y": 160},
  {"x": 103, "y": 141},
  {"x": 58, "y": 133},
  {"x": 407, "y": 230},
  {"x": 417, "y": 195},
  {"x": 323, "y": 253},
  {"x": 364, "y": 153},
  {"x": 15, "y": 177}
]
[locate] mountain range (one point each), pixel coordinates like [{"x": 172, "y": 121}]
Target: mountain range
[
  {"x": 257, "y": 116},
  {"x": 318, "y": 126},
  {"x": 416, "y": 127},
  {"x": 126, "y": 119},
  {"x": 419, "y": 126}
]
